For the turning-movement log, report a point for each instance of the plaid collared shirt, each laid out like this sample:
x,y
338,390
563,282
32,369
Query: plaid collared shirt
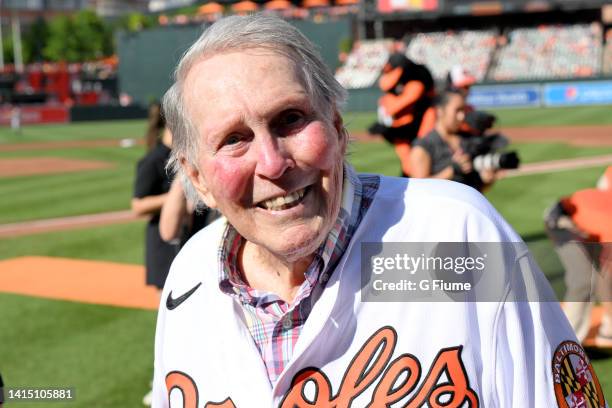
x,y
274,324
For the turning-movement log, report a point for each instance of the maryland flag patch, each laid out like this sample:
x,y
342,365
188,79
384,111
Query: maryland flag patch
x,y
576,385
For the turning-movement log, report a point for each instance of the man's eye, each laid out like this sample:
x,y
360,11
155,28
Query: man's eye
x,y
232,140
289,122
292,118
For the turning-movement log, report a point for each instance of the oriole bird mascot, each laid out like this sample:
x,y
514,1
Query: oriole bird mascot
x,y
408,93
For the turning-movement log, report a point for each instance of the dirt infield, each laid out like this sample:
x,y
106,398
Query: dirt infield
x,y
68,144
559,165
66,223
28,166
103,283
573,135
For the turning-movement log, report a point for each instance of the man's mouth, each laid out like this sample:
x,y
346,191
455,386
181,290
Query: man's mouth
x,y
284,202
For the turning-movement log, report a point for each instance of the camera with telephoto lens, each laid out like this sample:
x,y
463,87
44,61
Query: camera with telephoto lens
x,y
486,149
486,155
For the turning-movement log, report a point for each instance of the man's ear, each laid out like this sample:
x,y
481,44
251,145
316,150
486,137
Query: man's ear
x,y
197,180
342,132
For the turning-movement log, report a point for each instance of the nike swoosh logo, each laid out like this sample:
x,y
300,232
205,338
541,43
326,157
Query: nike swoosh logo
x,y
172,304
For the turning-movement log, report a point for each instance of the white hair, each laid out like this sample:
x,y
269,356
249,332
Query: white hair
x,y
241,33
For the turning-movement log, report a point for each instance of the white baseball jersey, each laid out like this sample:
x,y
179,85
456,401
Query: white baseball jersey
x,y
353,353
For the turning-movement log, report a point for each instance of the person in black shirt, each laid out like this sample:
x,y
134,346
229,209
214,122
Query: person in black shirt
x,y
150,191
439,154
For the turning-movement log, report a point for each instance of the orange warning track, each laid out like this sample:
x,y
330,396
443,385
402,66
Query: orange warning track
x,y
104,283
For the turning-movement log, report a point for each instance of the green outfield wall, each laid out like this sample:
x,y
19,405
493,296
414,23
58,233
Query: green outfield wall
x,y
148,57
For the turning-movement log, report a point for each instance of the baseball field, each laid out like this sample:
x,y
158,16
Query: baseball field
x,y
74,311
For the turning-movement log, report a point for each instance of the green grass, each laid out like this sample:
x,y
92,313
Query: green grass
x,y
105,353
116,243
64,194
358,121
119,129
539,151
602,363
566,116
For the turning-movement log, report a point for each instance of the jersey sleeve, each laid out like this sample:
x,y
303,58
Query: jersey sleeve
x,y
538,360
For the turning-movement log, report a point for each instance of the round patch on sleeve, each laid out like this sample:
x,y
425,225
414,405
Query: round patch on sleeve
x,y
576,385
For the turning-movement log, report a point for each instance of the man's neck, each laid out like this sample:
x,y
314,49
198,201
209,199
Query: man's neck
x,y
264,271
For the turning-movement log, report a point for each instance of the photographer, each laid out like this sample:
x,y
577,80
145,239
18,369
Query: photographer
x,y
440,154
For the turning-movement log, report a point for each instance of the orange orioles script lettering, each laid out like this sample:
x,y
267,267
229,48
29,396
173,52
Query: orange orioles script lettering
x,y
371,364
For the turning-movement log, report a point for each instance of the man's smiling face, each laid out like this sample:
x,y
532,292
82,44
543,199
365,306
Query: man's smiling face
x,y
268,159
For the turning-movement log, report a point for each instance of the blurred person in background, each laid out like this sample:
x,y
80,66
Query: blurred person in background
x,y
408,91
265,307
440,153
459,79
180,219
475,122
580,227
16,119
151,188
156,125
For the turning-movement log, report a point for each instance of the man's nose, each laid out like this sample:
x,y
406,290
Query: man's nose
x,y
273,160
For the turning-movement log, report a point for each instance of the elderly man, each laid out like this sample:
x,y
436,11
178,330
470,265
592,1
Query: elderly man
x,y
269,306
